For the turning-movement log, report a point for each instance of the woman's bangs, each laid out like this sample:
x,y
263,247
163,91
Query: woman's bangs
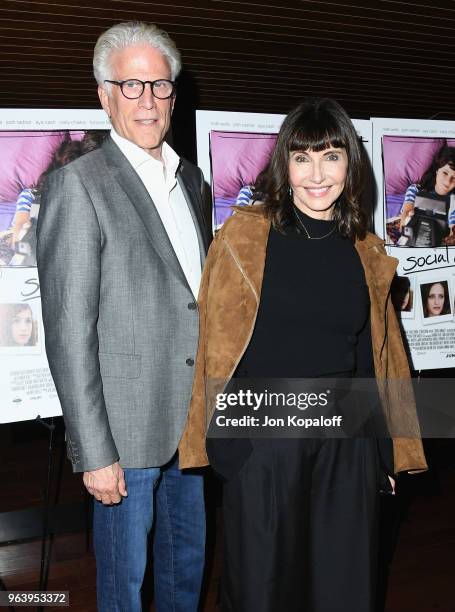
x,y
317,136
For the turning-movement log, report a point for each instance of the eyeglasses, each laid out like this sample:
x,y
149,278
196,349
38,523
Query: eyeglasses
x,y
134,88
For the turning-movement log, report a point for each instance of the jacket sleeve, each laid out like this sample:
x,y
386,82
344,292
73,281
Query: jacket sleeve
x,y
365,369
69,263
404,425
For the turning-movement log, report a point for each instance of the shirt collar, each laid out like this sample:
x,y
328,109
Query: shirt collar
x,y
137,156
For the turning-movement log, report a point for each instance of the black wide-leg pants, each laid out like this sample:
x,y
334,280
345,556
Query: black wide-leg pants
x,y
300,527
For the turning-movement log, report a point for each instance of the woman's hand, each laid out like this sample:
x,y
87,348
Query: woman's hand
x,y
392,484
406,213
450,239
20,225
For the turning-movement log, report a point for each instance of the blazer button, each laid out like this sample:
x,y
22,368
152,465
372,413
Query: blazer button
x,y
192,306
189,361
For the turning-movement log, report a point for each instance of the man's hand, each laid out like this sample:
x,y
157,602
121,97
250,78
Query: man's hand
x,y
107,484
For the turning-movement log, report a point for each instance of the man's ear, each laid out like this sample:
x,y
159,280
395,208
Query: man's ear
x,y
104,99
173,103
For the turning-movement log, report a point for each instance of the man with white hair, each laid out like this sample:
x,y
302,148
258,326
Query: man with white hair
x,y
121,240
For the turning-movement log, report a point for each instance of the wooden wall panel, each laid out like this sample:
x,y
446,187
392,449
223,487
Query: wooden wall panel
x,y
389,57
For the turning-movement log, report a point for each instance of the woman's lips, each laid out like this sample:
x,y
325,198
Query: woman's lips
x,y
317,192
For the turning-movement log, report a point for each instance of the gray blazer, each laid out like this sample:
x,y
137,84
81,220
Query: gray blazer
x,y
120,319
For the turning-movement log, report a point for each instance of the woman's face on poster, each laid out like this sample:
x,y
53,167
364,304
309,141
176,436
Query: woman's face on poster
x,y
435,300
22,327
445,180
317,179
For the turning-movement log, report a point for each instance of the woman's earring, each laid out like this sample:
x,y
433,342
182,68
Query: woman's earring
x,y
290,191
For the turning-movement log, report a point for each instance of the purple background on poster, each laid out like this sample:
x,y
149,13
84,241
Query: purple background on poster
x,y
237,159
24,156
405,161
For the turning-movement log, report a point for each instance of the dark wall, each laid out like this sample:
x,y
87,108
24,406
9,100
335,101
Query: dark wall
x,y
384,58
387,58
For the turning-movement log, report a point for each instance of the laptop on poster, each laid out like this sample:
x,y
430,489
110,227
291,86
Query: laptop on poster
x,y
428,225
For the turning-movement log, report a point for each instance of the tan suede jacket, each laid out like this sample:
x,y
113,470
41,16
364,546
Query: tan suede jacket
x,y
228,305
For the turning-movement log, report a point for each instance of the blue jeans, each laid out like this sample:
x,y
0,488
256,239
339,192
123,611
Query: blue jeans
x,y
174,501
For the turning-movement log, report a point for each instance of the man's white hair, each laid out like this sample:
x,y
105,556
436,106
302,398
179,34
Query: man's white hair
x,y
128,34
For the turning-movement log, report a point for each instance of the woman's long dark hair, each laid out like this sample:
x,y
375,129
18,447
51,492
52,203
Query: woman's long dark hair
x,y
445,156
314,125
399,289
69,150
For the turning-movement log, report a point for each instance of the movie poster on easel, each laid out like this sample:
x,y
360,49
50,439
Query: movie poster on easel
x,y
414,165
233,148
32,144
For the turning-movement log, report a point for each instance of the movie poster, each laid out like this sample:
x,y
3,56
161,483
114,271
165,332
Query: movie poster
x,y
32,144
414,164
233,148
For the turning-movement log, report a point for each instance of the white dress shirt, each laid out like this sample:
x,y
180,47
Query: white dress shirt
x,y
159,178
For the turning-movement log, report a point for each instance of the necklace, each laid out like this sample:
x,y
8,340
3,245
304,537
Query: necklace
x,y
297,216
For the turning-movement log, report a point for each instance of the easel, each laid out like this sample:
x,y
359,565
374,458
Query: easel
x,y
46,539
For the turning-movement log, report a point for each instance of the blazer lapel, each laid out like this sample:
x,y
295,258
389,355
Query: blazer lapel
x,y
135,191
193,198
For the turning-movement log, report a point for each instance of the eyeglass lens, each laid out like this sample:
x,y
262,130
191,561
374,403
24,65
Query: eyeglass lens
x,y
134,88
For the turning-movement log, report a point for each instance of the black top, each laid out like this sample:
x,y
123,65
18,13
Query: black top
x,y
314,306
313,320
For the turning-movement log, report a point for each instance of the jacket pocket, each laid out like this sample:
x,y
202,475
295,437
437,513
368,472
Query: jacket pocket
x,y
118,365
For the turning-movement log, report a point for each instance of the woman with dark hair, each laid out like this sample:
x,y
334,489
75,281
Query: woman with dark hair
x,y
439,180
435,299
402,294
300,514
17,325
